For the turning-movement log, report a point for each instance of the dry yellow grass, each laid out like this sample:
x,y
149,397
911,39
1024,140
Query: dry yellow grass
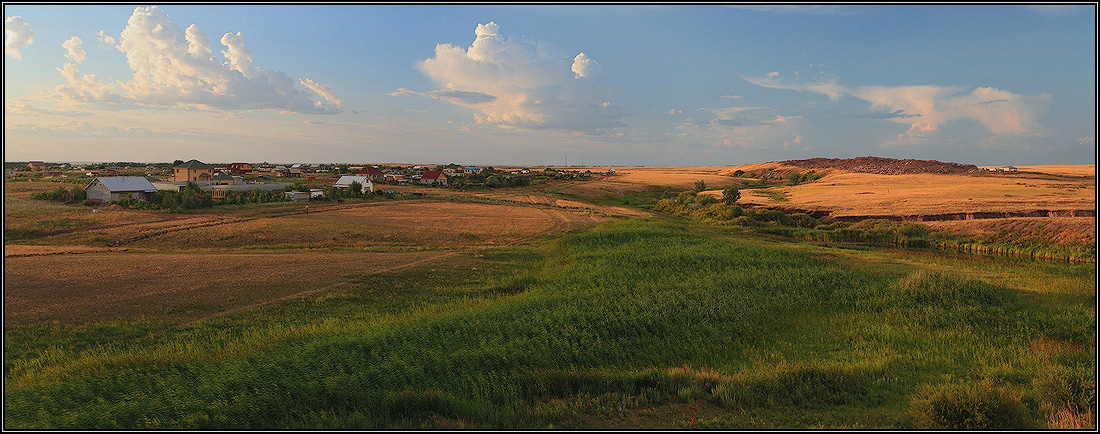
x,y
405,223
29,250
98,286
541,198
1057,169
848,193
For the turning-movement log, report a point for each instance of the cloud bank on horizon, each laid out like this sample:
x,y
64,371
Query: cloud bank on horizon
x,y
926,107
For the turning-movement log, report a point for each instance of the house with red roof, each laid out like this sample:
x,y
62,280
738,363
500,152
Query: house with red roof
x,y
371,172
433,177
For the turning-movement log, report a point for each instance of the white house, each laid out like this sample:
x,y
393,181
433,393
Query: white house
x,y
346,180
111,188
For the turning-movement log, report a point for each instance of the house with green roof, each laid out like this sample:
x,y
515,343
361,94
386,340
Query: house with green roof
x,y
193,170
222,179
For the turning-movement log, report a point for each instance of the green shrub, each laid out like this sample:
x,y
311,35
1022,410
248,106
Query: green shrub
x,y
967,406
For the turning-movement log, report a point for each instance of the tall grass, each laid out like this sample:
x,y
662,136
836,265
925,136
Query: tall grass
x,y
632,313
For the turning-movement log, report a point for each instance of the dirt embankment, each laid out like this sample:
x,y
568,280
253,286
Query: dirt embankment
x,y
884,166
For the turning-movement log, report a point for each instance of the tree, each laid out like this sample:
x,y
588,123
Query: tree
x,y
686,197
700,185
730,195
356,188
177,163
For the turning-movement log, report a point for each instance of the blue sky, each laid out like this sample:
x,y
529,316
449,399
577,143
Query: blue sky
x,y
655,85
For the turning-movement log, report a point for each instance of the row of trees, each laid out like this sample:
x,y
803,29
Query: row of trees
x,y
193,197
75,194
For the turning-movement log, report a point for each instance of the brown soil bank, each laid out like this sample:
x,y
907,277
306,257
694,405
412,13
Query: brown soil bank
x,y
884,166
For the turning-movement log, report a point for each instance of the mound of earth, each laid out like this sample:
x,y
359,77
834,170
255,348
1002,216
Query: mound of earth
x,y
884,166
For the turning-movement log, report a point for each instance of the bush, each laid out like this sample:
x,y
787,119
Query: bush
x,y
730,195
967,406
686,197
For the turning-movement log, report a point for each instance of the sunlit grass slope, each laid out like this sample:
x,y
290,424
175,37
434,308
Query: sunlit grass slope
x,y
614,323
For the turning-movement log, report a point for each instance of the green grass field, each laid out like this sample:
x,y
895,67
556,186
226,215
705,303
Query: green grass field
x,y
634,323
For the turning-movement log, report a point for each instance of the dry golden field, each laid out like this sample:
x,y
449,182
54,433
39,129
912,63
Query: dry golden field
x,y
847,193
632,179
435,224
171,286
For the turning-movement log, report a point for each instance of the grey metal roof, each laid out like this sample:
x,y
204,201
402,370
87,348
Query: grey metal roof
x,y
348,179
127,183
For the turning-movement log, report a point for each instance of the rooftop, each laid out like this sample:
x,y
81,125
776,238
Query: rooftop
x,y
194,164
126,183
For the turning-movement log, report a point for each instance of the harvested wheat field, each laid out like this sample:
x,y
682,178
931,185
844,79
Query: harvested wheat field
x,y
422,223
872,194
23,211
171,286
1058,230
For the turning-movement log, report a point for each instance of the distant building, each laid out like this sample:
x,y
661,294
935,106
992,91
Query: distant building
x,y
239,168
111,188
346,180
36,165
434,177
371,172
471,169
193,170
222,179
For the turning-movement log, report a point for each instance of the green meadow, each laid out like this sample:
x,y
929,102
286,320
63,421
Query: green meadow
x,y
630,324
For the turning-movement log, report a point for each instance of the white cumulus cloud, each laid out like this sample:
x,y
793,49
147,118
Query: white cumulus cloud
x,y
583,65
73,50
176,68
511,82
86,87
17,34
105,40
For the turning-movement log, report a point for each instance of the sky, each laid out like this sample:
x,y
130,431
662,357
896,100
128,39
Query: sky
x,y
550,84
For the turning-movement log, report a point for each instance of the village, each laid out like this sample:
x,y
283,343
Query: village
x,y
110,182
